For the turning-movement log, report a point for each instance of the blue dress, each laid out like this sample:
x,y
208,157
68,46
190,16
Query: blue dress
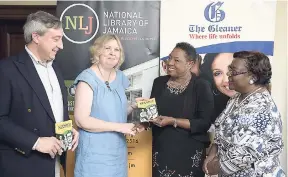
x,y
103,154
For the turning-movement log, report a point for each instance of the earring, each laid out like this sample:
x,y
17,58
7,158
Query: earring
x,y
215,92
251,81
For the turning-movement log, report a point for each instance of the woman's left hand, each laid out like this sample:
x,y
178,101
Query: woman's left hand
x,y
213,167
163,121
75,140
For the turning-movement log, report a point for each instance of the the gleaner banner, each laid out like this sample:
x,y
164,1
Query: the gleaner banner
x,y
217,29
137,24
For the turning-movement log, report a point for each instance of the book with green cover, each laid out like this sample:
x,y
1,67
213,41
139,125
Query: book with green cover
x,y
146,110
64,133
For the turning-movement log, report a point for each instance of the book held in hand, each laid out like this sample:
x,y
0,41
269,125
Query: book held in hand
x,y
64,133
146,110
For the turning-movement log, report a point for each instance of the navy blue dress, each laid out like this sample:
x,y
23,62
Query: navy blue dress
x,y
179,152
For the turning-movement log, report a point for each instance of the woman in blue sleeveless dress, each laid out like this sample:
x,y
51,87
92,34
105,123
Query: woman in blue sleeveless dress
x,y
101,113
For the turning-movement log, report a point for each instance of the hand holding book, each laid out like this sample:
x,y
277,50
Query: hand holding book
x,y
68,136
49,145
162,121
144,111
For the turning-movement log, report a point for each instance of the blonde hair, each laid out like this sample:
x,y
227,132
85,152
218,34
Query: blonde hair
x,y
95,49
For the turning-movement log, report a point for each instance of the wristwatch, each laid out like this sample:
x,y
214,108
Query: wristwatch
x,y
175,123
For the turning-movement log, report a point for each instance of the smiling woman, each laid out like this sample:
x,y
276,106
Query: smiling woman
x,y
186,103
101,110
220,68
214,69
248,133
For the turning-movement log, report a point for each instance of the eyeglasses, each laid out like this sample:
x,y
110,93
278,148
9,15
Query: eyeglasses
x,y
235,73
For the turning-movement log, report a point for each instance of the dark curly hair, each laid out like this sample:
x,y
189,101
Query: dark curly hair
x,y
205,68
188,49
258,64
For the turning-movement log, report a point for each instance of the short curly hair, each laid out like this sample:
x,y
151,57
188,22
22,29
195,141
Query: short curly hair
x,y
188,49
257,64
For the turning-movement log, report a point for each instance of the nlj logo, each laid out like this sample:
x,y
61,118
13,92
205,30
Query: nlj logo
x,y
80,23
213,13
72,23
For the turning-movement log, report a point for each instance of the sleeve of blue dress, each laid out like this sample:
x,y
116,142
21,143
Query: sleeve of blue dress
x,y
265,144
86,77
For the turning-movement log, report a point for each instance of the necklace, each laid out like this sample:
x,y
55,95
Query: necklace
x,y
106,82
237,104
223,116
176,88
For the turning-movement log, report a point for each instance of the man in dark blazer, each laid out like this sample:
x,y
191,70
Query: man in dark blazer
x,y
33,98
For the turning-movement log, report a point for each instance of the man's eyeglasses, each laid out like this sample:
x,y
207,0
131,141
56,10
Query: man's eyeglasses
x,y
235,73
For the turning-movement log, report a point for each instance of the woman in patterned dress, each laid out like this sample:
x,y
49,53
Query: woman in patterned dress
x,y
185,103
248,133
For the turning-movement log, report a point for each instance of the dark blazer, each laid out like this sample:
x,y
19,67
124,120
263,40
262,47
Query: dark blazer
x,y
198,105
25,115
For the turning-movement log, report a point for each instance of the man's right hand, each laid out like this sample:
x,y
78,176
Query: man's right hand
x,y
49,145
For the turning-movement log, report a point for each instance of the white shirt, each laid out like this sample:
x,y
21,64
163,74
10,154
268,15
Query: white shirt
x,y
51,84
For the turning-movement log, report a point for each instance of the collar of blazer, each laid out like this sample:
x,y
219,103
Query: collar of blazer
x,y
26,67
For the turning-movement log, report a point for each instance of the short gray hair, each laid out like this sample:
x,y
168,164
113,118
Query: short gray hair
x,y
40,22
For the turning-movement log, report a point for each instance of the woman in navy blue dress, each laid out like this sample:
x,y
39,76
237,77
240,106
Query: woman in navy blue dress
x,y
185,103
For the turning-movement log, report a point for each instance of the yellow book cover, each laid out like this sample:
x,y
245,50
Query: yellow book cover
x,y
64,133
147,110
